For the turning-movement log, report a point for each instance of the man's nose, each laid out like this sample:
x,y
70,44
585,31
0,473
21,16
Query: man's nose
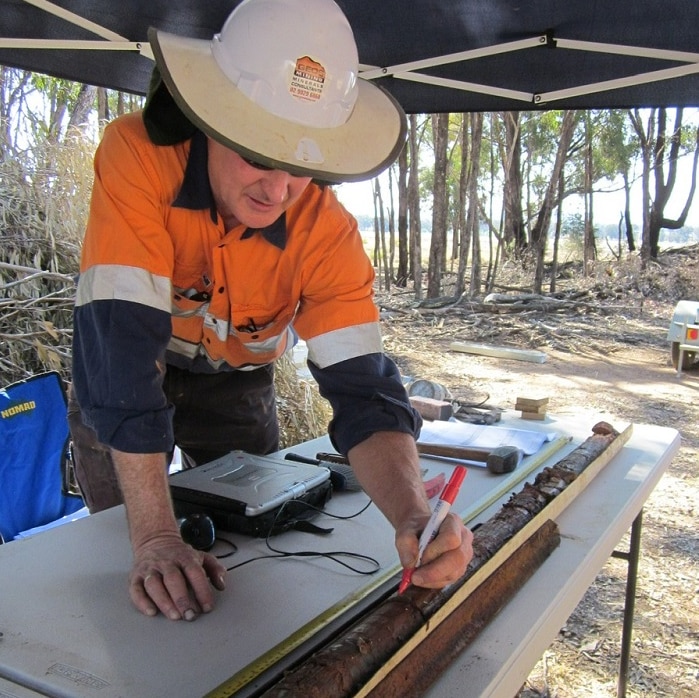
x,y
275,185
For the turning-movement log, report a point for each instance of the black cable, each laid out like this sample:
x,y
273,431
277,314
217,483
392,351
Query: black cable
x,y
232,551
333,555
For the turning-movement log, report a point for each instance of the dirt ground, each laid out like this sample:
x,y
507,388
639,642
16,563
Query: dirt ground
x,y
607,358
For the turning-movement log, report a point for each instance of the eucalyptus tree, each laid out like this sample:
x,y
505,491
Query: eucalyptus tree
x,y
616,148
661,148
15,87
413,194
402,224
38,109
568,122
408,186
440,205
471,232
35,109
514,231
461,198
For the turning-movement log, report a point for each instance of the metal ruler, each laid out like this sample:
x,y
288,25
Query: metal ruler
x,y
252,675
253,672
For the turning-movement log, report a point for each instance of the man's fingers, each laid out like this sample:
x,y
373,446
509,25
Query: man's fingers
x,y
139,596
180,589
443,570
176,597
445,559
215,571
152,593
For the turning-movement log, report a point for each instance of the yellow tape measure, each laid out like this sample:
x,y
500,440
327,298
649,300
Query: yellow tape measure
x,y
276,654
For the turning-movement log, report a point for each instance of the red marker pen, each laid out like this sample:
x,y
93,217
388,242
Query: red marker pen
x,y
441,509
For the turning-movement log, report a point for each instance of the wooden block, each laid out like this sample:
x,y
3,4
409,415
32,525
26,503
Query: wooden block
x,y
432,409
534,415
532,402
523,407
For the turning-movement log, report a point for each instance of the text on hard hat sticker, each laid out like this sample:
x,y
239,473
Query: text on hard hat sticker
x,y
308,79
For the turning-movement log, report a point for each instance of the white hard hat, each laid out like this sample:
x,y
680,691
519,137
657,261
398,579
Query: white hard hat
x,y
279,84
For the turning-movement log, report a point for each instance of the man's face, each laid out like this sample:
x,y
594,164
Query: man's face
x,y
249,195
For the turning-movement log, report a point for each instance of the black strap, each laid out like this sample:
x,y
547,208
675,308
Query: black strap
x,y
308,527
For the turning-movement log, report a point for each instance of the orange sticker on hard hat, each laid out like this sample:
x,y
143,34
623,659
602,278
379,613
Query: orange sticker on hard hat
x,y
308,79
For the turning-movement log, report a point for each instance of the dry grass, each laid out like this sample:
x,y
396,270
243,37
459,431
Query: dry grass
x,y
303,413
42,218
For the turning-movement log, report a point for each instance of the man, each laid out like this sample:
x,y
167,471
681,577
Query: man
x,y
209,249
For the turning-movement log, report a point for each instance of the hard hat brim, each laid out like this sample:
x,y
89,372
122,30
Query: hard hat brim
x,y
361,148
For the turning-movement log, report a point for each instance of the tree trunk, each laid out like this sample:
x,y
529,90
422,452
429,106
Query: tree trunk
x,y
473,220
654,153
589,249
414,224
440,129
379,232
103,114
557,236
644,139
390,244
630,242
403,247
664,186
83,107
495,233
514,234
540,229
462,228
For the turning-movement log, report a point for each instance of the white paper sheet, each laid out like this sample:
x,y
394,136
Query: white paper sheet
x,y
480,436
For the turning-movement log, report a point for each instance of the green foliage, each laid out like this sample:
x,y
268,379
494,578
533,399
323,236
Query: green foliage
x,y
615,143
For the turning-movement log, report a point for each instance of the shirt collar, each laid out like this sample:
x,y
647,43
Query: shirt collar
x,y
195,193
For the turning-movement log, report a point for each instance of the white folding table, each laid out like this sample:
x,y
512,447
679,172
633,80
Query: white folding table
x,y
70,631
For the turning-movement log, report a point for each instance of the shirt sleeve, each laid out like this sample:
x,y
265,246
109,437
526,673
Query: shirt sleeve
x,y
118,368
367,396
122,321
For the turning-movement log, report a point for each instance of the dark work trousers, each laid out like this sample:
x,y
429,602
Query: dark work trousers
x,y
214,414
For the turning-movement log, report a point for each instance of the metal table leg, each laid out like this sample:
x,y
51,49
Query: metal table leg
x,y
632,557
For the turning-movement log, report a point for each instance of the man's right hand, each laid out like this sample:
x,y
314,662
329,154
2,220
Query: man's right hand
x,y
168,575
172,577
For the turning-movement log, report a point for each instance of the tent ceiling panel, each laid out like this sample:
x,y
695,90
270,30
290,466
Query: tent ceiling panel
x,y
391,33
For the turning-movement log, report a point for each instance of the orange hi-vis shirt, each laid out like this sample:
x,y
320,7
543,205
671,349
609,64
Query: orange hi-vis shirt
x,y
162,282
233,295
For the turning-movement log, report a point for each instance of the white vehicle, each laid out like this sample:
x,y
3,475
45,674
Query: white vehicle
x,y
684,336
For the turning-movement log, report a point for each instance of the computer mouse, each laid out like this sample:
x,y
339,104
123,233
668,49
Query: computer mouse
x,y
198,530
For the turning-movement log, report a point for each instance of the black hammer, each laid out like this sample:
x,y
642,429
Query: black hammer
x,y
499,460
503,459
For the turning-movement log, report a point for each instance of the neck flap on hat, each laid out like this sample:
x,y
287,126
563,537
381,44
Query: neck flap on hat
x,y
163,119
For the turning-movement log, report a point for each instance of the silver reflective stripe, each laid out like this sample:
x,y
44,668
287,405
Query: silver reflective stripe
x,y
118,282
179,346
218,326
200,310
286,339
348,343
191,351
